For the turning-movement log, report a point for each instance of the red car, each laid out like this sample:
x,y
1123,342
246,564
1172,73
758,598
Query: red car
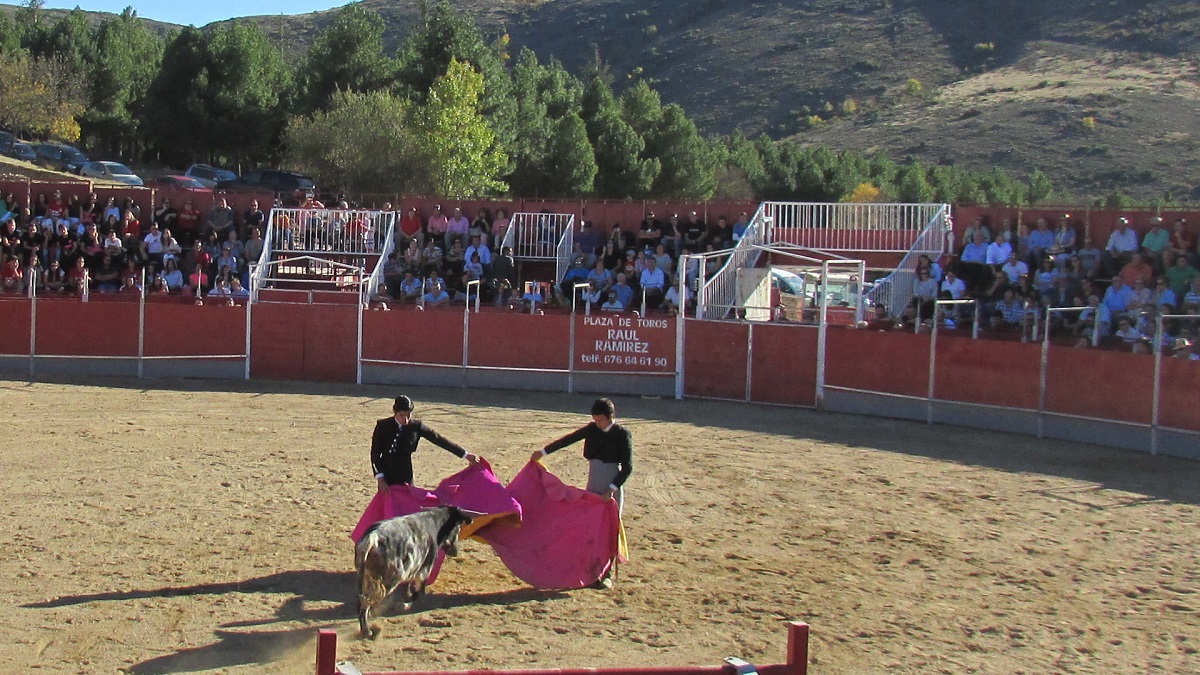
x,y
181,182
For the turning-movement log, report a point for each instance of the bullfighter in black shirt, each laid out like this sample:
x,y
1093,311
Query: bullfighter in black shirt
x,y
395,440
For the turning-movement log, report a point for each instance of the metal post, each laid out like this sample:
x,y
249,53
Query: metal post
x,y
249,310
975,322
700,286
1154,405
859,315
33,333
1045,365
749,358
571,351
680,320
467,327
142,328
363,293
932,363
822,335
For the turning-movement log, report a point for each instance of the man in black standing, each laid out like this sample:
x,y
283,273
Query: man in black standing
x,y
395,440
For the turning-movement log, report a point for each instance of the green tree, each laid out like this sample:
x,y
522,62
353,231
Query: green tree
x,y
175,120
444,35
347,55
688,165
329,144
242,92
621,170
127,56
455,141
39,96
1039,187
570,161
913,185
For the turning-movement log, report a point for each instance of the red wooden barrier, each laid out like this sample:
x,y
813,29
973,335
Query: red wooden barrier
x,y
893,363
784,364
508,340
433,336
183,329
71,328
14,326
715,359
797,662
304,342
991,372
1177,401
1100,384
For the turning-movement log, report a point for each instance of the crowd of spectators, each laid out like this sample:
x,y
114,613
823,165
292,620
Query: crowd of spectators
x,y
84,245
438,256
1110,295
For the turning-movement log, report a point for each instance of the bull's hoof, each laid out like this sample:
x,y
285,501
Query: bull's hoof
x,y
405,606
373,632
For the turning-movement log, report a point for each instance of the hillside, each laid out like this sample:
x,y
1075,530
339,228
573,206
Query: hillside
x,y
1004,82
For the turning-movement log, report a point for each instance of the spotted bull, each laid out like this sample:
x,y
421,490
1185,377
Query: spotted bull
x,y
399,553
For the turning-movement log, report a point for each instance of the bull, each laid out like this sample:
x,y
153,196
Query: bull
x,y
399,553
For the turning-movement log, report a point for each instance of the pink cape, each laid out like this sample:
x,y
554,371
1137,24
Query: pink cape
x,y
567,537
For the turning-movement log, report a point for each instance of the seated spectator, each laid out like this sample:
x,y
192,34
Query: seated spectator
x,y
171,276
1122,244
1180,275
107,276
234,244
411,289
197,281
1041,242
739,227
1191,299
500,226
1044,279
1137,268
435,290
1141,297
671,303
393,273
413,259
600,277
653,283
220,220
130,285
880,319
55,279
78,277
253,218
473,270
380,299
152,244
1156,242
973,264
188,223
924,262
623,290
113,245
1183,348
590,242
432,256
1182,243
1014,269
953,286
220,290
1095,319
925,293
1129,334
1064,241
577,274
11,278
457,227
1009,312
170,247
164,215
227,261
694,231
1118,297
649,233
478,247
998,252
1090,258
1162,295
612,304
411,231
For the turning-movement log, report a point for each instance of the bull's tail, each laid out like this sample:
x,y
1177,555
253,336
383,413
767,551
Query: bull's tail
x,y
371,591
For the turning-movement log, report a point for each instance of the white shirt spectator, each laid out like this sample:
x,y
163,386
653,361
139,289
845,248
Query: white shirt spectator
x,y
1014,270
1123,241
485,254
998,252
955,287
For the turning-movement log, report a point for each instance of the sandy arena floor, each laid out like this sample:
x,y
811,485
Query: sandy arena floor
x,y
186,529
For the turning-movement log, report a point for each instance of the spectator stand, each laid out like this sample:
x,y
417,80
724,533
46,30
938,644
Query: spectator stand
x,y
322,249
542,237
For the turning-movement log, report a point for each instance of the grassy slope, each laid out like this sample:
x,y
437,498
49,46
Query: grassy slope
x,y
760,66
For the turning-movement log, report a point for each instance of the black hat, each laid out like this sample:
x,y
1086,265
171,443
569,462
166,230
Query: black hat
x,y
402,404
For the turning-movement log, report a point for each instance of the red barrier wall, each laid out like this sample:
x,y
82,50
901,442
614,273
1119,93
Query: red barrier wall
x,y
991,372
519,340
784,364
69,328
714,359
433,336
893,363
304,342
1177,402
178,329
1094,383
14,326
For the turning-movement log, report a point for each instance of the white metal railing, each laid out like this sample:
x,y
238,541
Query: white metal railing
x,y
258,268
388,245
539,236
896,289
716,296
329,230
882,228
564,250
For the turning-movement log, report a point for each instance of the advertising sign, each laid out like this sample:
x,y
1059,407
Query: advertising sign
x,y
618,342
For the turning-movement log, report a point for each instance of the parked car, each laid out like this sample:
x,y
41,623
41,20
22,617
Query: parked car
x,y
7,139
22,151
291,186
181,182
60,157
114,171
208,175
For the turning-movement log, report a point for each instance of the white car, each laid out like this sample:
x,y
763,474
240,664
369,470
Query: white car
x,y
114,171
